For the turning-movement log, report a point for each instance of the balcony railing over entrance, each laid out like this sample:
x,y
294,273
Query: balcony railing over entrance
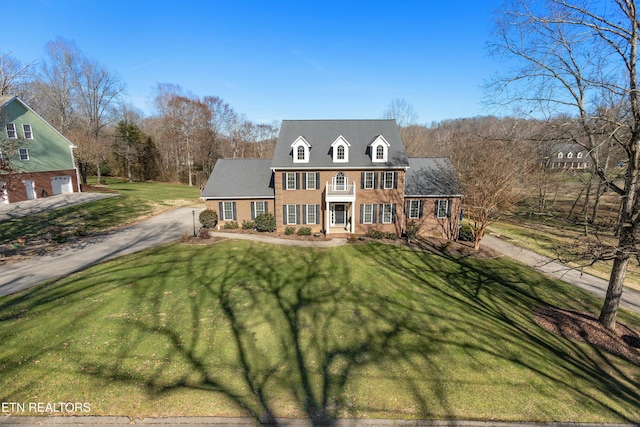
x,y
340,192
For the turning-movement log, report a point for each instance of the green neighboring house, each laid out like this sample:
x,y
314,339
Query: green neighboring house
x,y
35,159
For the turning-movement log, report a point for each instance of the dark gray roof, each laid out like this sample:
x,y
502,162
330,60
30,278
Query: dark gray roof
x,y
431,177
569,148
320,134
240,178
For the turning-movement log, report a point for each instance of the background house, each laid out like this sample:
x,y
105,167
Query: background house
x,y
35,159
340,177
570,156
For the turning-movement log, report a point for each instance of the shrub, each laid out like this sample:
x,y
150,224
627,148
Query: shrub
x,y
374,234
233,225
208,218
289,231
304,231
465,233
390,236
412,230
265,222
247,225
204,233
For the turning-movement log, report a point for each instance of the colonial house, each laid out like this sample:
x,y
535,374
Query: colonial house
x,y
35,159
570,157
339,177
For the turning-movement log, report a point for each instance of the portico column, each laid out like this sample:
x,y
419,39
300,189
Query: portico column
x,y
328,218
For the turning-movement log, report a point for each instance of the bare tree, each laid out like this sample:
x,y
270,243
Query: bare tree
x,y
402,111
12,74
580,57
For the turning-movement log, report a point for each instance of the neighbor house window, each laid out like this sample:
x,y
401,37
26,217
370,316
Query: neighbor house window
x,y
388,179
367,214
368,180
291,180
24,154
442,208
28,133
11,131
387,213
414,209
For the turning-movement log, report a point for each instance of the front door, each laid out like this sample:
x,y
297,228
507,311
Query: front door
x,y
338,215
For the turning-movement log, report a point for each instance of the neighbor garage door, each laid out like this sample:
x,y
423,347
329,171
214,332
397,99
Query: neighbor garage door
x,y
61,185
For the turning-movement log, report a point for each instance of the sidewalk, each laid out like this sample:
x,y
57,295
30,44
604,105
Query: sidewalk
x,y
630,298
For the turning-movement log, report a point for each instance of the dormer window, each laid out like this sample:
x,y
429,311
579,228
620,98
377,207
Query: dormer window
x,y
379,150
340,149
559,155
580,154
300,150
569,155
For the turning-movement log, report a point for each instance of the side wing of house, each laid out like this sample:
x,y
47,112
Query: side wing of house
x,y
239,190
433,197
37,160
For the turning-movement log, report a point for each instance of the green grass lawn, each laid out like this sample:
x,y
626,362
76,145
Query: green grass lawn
x,y
136,200
369,330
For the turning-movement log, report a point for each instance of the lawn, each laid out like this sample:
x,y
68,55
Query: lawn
x,y
366,330
136,200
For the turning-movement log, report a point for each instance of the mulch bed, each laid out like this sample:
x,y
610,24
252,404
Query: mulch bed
x,y
584,327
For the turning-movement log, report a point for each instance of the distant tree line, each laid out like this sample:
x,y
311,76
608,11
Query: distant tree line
x,y
86,101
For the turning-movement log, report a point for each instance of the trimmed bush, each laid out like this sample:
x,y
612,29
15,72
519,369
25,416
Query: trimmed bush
x,y
289,231
265,222
304,231
465,233
374,234
208,218
390,236
247,225
204,233
233,225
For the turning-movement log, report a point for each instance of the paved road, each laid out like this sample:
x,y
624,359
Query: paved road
x,y
630,299
167,227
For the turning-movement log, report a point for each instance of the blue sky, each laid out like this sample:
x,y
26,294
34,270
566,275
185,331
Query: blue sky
x,y
274,60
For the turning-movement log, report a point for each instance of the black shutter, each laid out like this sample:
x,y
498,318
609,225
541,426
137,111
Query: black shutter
x,y
361,213
420,208
253,211
318,182
285,214
375,180
395,180
284,180
393,213
362,175
381,213
297,214
233,205
304,180
221,211
317,214
266,207
297,180
408,208
304,214
374,216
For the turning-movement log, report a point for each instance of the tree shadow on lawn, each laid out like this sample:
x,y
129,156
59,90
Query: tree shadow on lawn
x,y
307,333
280,334
497,298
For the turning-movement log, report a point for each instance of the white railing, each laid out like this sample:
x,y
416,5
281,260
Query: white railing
x,y
340,191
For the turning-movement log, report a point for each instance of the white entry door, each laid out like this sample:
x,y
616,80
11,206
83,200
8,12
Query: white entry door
x,y
30,186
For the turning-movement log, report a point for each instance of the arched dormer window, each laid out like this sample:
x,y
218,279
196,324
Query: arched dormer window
x,y
300,150
580,154
569,155
340,149
379,150
559,155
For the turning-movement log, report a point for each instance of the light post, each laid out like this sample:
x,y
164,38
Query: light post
x,y
193,212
